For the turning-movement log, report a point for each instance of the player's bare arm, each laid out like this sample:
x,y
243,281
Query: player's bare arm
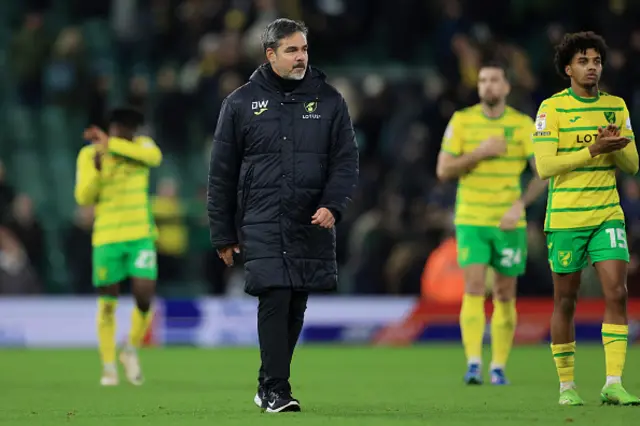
x,y
451,166
535,188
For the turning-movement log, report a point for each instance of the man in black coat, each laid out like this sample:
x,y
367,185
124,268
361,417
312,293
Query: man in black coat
x,y
283,167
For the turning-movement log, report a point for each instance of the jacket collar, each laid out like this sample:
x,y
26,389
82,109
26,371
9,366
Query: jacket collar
x,y
309,88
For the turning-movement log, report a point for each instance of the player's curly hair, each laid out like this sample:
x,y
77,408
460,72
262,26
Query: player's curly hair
x,y
573,43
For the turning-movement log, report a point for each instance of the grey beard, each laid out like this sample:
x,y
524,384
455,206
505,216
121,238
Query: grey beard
x,y
293,76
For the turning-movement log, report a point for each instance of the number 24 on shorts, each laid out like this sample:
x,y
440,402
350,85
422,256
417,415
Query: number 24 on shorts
x,y
617,237
510,257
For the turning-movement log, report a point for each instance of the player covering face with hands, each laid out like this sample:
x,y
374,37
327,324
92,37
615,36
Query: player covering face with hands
x,y
113,174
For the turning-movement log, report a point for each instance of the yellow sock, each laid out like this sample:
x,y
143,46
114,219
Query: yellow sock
x,y
503,327
140,322
614,339
564,357
472,322
106,323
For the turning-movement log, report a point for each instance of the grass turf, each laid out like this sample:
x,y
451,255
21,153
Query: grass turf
x,y
337,386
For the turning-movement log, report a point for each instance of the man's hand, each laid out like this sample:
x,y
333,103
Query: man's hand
x,y
97,137
608,140
611,130
324,218
226,254
492,147
101,140
511,218
97,160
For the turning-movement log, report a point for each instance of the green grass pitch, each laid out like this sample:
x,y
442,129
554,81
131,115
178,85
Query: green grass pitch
x,y
351,386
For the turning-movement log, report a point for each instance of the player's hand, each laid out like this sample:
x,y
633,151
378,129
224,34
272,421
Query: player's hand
x,y
323,218
511,218
610,130
97,160
492,147
97,137
226,254
608,140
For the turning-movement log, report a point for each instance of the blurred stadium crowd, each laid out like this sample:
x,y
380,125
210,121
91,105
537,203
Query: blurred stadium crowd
x,y
403,67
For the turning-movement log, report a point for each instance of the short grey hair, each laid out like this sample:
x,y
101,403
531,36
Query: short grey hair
x,y
279,29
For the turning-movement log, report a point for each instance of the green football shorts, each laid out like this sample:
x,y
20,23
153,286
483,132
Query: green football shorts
x,y
504,251
569,250
113,263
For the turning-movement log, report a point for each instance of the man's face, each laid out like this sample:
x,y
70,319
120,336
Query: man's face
x,y
492,85
585,68
290,59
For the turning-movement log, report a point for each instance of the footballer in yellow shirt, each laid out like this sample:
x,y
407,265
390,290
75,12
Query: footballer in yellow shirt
x,y
582,136
113,174
487,147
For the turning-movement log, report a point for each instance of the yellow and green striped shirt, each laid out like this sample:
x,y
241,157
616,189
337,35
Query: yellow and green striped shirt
x,y
120,190
490,189
584,196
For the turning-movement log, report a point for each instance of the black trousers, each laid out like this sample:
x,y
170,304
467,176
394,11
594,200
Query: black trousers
x,y
280,319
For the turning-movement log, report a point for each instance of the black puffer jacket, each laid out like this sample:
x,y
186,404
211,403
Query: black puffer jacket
x,y
276,159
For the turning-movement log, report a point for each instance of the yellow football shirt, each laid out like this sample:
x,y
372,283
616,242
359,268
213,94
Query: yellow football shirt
x,y
120,190
566,125
486,193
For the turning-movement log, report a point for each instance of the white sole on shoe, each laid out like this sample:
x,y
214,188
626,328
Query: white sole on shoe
x,y
291,406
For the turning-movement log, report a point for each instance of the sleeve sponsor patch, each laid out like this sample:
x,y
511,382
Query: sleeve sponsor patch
x,y
541,121
628,124
448,133
539,134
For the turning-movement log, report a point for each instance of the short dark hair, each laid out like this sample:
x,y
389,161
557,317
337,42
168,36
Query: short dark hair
x,y
573,43
279,29
495,63
128,117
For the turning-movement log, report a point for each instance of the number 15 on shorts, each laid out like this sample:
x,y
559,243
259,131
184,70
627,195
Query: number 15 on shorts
x,y
609,245
617,237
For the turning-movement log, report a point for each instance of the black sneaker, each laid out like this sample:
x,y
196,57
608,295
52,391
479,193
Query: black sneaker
x,y
281,402
261,397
